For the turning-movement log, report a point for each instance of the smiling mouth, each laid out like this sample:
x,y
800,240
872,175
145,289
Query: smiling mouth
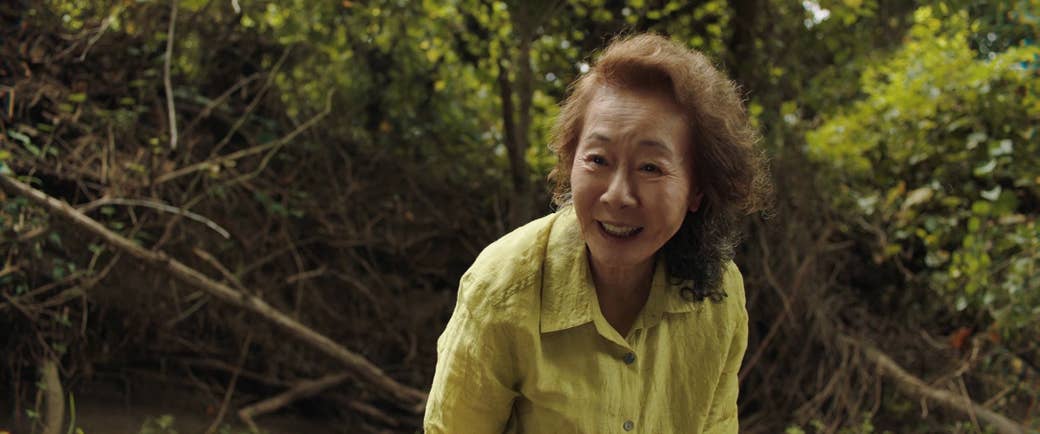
x,y
619,231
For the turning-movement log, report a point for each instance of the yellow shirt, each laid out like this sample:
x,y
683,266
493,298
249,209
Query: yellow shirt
x,y
528,350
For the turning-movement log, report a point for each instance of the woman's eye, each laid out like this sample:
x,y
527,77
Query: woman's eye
x,y
650,168
598,160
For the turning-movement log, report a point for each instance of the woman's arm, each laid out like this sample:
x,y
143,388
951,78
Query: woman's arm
x,y
473,386
722,417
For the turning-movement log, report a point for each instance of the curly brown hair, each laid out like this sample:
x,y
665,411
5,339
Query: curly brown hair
x,y
730,171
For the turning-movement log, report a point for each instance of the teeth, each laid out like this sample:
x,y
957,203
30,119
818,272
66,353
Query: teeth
x,y
619,231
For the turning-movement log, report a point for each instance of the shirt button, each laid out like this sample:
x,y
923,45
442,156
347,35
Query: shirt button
x,y
629,358
628,425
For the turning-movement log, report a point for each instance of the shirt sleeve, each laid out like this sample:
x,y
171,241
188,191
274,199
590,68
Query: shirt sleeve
x,y
722,416
473,385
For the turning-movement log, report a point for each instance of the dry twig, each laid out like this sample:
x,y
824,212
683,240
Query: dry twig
x,y
211,260
231,386
158,206
302,389
256,101
208,109
249,151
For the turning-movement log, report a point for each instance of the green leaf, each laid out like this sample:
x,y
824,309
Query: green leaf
x,y
96,248
1003,147
917,196
986,168
991,194
975,138
24,139
1006,203
981,208
78,97
973,224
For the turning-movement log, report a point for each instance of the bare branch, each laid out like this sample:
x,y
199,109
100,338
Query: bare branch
x,y
170,107
256,101
211,260
301,390
105,24
159,206
249,151
208,109
231,386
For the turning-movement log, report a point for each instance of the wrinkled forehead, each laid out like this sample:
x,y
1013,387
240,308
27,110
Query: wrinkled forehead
x,y
642,114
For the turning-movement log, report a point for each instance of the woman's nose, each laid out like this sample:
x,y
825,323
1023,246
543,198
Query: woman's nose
x,y
620,192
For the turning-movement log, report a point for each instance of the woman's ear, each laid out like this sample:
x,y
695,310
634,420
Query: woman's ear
x,y
696,196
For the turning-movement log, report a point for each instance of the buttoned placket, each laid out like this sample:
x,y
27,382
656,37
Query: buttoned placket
x,y
631,350
630,393
625,354
632,384
627,350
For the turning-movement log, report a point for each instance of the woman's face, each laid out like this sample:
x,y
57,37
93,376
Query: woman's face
x,y
632,179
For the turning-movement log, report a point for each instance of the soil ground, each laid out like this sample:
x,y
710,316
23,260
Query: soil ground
x,y
108,408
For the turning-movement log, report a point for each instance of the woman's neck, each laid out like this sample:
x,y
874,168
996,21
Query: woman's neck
x,y
622,291
622,282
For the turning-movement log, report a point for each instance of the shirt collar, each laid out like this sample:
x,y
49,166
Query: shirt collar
x,y
568,295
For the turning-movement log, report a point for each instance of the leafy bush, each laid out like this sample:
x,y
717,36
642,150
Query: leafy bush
x,y
940,161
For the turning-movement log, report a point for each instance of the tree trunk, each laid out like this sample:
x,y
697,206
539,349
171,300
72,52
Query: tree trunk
x,y
516,146
526,17
743,64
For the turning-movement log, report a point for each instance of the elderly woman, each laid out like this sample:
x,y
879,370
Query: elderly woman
x,y
622,311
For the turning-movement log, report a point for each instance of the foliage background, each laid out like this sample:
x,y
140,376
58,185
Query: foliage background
x,y
359,155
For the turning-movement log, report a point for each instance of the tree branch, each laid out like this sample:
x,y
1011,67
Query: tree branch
x,y
300,390
248,151
916,387
170,108
159,206
54,397
231,386
407,397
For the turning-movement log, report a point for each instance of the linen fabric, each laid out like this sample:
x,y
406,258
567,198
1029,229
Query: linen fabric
x,y
528,350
